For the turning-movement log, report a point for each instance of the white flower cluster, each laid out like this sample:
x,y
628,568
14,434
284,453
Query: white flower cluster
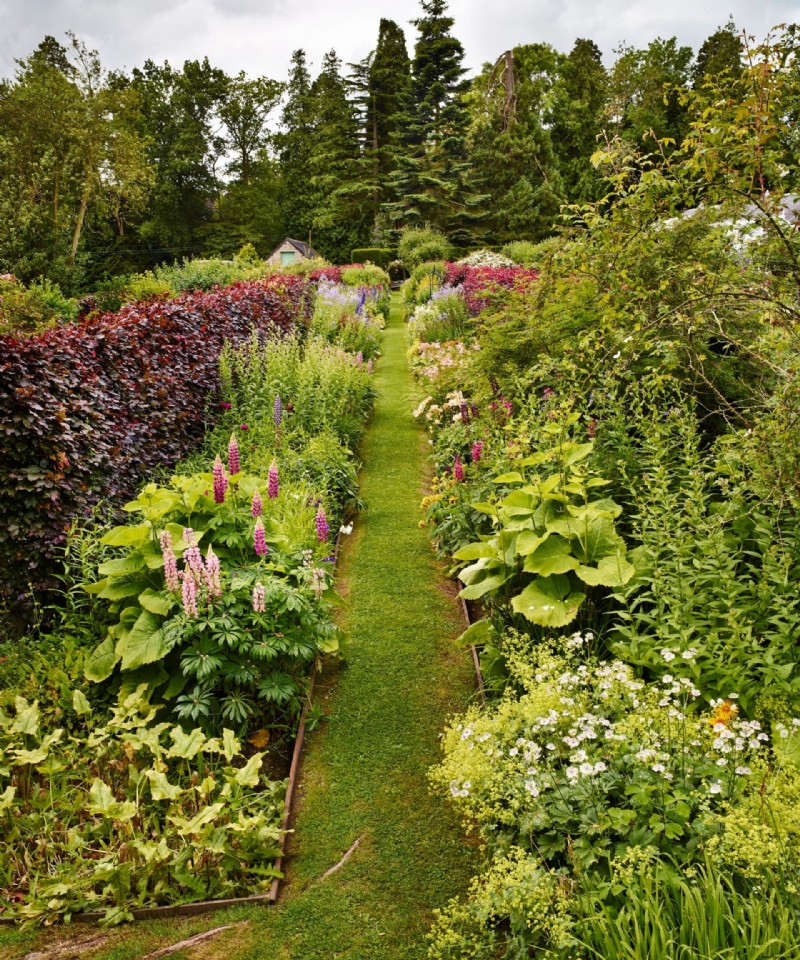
x,y
486,258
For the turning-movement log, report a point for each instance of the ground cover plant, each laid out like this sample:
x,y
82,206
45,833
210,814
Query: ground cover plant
x,y
187,659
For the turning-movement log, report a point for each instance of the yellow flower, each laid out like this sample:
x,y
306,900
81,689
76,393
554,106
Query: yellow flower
x,y
724,712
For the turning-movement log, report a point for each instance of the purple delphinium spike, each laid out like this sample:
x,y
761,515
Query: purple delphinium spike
x,y
220,481
233,455
458,470
256,507
259,539
321,522
272,481
189,595
477,450
212,574
170,562
277,410
259,598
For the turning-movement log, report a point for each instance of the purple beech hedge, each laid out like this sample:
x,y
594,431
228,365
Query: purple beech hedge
x,y
87,411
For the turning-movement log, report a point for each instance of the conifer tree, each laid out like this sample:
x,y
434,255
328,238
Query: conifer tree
x,y
295,150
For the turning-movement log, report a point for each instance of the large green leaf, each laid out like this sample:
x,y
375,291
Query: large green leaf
x,y
102,801
144,644
477,633
613,571
101,661
115,568
132,536
186,745
596,538
118,588
475,551
549,601
553,556
160,787
249,776
155,602
528,541
477,590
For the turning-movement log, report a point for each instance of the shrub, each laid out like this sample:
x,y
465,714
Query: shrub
x,y
88,409
380,256
479,283
486,258
364,275
418,244
424,280
35,307
525,253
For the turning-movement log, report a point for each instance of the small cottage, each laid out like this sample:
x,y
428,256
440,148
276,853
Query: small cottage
x,y
291,251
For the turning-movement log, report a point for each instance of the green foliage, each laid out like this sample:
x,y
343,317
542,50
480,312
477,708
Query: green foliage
x,y
418,245
443,317
31,308
368,275
136,813
528,254
380,256
553,539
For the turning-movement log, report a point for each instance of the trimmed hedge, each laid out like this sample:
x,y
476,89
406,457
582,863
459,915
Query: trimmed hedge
x,y
380,256
88,410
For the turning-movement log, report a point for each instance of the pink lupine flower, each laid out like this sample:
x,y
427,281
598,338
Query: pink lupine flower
x,y
193,560
359,358
212,574
369,366
259,539
259,598
220,481
189,595
170,562
272,481
257,507
233,456
458,470
188,537
321,522
477,450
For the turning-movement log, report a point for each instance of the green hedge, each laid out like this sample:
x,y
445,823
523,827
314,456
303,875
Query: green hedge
x,y
380,256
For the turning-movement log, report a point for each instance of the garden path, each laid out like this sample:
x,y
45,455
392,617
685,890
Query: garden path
x,y
364,774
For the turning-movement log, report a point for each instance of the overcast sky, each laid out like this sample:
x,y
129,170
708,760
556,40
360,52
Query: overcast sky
x,y
258,36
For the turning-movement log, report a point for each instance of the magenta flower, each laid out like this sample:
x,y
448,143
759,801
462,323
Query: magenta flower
x,y
170,562
212,574
277,410
477,450
189,595
272,481
225,406
257,507
233,456
458,470
259,598
243,426
259,539
321,522
220,481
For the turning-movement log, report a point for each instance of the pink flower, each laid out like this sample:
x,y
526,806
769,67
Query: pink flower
x,y
220,481
256,507
233,455
477,450
272,481
212,574
259,598
189,595
170,562
225,406
458,470
259,539
369,366
321,522
243,426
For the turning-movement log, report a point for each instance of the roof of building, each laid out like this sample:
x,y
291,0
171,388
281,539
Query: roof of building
x,y
304,249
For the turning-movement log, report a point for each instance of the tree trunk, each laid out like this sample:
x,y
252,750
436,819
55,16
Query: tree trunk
x,y
76,233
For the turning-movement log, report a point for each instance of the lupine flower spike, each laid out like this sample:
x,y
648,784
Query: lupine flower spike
x,y
220,481
259,598
272,481
259,539
321,522
277,410
189,595
477,450
233,455
369,366
458,470
257,506
170,562
212,573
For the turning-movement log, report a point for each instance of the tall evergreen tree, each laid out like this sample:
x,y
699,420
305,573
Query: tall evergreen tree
x,y
433,181
511,145
720,52
295,150
579,98
341,212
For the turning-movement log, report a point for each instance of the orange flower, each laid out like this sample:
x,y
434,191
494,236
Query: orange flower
x,y
724,712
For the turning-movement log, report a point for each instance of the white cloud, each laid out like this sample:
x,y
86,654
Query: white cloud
x,y
258,36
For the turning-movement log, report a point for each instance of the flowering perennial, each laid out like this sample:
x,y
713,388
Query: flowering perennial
x,y
259,539
233,455
220,481
272,481
322,525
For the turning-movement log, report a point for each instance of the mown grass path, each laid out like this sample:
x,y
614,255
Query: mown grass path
x,y
364,774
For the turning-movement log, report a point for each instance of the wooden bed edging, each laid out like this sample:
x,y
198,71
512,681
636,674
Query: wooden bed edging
x,y
474,651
